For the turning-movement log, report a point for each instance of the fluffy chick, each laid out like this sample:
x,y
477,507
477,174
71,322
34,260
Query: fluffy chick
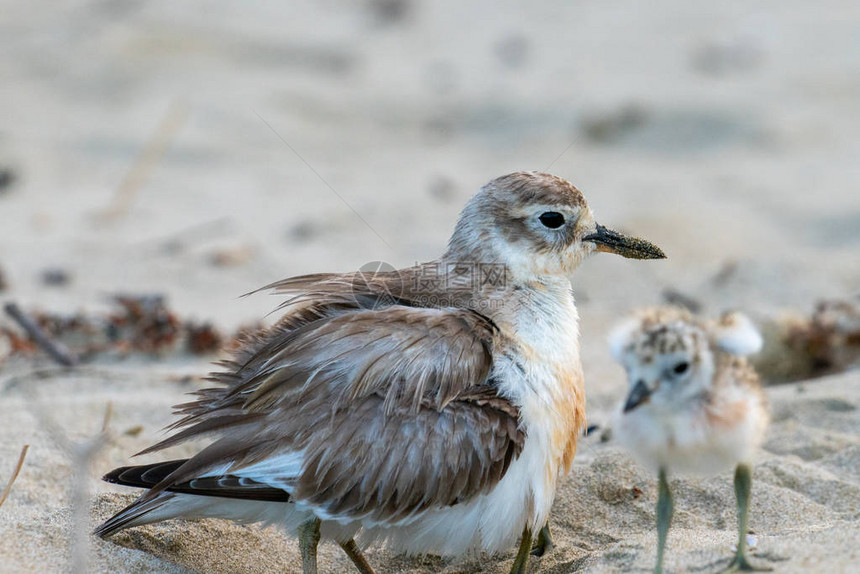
x,y
694,406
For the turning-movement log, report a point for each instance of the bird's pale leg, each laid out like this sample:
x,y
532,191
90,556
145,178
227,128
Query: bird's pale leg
x,y
743,485
665,509
355,554
544,542
521,562
309,539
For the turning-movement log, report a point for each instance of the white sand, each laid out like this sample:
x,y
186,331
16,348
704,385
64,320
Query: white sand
x,y
744,151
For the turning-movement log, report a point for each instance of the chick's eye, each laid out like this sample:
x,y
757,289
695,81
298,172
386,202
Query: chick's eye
x,y
552,219
681,368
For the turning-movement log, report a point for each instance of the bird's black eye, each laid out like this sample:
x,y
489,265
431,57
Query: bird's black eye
x,y
681,368
552,219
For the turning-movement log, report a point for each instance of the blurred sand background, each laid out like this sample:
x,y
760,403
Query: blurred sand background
x,y
319,136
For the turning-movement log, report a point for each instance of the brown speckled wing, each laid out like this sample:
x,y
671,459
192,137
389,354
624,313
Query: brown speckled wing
x,y
392,408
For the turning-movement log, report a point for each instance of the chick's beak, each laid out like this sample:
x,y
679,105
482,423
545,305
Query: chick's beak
x,y
640,393
624,245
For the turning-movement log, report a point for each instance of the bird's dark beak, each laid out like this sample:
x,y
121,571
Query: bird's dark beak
x,y
624,245
640,393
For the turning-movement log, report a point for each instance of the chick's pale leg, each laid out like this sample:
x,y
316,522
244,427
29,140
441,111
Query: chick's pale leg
x,y
665,509
743,485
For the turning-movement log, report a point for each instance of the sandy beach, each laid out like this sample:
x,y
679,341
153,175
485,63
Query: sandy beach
x,y
200,153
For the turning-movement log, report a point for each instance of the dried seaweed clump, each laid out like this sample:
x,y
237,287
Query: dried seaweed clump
x,y
136,324
824,343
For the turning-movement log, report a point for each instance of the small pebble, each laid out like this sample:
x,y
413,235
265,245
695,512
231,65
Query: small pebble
x,y
675,297
232,256
752,542
606,435
303,231
442,188
56,277
390,11
513,51
7,178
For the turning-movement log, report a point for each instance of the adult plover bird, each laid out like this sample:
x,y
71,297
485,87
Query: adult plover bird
x,y
433,408
695,404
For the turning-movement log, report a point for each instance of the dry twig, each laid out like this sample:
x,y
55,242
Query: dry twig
x,y
55,350
147,159
14,474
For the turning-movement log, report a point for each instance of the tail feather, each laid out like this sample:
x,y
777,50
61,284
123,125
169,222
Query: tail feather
x,y
227,496
143,475
224,486
141,511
